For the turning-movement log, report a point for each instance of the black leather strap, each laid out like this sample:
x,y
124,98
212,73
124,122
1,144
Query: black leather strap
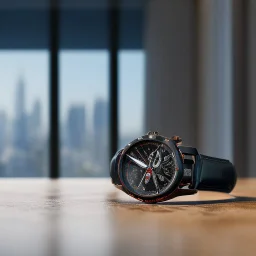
x,y
215,174
113,168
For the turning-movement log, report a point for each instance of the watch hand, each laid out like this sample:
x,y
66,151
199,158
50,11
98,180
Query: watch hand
x,y
142,179
155,182
152,158
138,162
158,159
147,175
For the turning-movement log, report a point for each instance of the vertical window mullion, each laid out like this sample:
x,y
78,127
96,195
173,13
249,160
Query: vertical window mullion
x,y
54,90
113,68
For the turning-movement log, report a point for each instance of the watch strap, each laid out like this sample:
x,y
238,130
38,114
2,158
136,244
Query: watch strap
x,y
114,168
215,174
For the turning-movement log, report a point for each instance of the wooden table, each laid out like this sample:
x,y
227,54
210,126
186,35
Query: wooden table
x,y
90,217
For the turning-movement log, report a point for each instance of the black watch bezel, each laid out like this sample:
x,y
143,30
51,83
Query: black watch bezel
x,y
179,168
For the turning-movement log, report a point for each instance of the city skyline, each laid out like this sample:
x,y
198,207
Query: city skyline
x,y
33,116
23,152
27,145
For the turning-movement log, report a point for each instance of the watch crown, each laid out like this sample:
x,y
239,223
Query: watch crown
x,y
153,133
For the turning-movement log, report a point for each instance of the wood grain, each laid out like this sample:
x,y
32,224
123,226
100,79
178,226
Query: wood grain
x,y
91,217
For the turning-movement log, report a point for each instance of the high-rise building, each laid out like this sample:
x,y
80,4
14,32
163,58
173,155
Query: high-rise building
x,y
37,114
100,125
76,127
3,135
20,139
34,123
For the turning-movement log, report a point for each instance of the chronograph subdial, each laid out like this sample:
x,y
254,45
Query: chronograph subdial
x,y
149,168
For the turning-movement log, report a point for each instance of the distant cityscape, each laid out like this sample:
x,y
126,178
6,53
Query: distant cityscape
x,y
24,144
85,153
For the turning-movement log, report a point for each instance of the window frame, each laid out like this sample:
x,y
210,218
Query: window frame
x,y
120,35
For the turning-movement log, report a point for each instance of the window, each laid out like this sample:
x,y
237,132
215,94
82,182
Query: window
x,y
131,95
84,113
24,113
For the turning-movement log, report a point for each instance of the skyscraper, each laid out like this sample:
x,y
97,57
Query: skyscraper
x,y
100,124
37,114
3,135
76,127
34,124
20,140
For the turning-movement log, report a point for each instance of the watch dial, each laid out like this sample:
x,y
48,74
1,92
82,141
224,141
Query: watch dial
x,y
149,168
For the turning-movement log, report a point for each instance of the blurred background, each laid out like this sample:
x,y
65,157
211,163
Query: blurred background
x,y
80,79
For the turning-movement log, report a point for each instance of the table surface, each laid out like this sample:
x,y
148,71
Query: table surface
x,y
91,217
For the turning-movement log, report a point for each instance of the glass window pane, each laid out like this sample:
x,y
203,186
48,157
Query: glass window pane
x,y
24,113
84,113
131,95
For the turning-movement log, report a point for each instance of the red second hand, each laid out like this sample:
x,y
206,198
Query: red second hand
x,y
148,175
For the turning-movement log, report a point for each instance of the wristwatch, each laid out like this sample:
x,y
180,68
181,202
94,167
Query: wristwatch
x,y
154,168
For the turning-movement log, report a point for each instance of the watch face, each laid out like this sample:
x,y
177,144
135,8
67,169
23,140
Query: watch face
x,y
149,168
